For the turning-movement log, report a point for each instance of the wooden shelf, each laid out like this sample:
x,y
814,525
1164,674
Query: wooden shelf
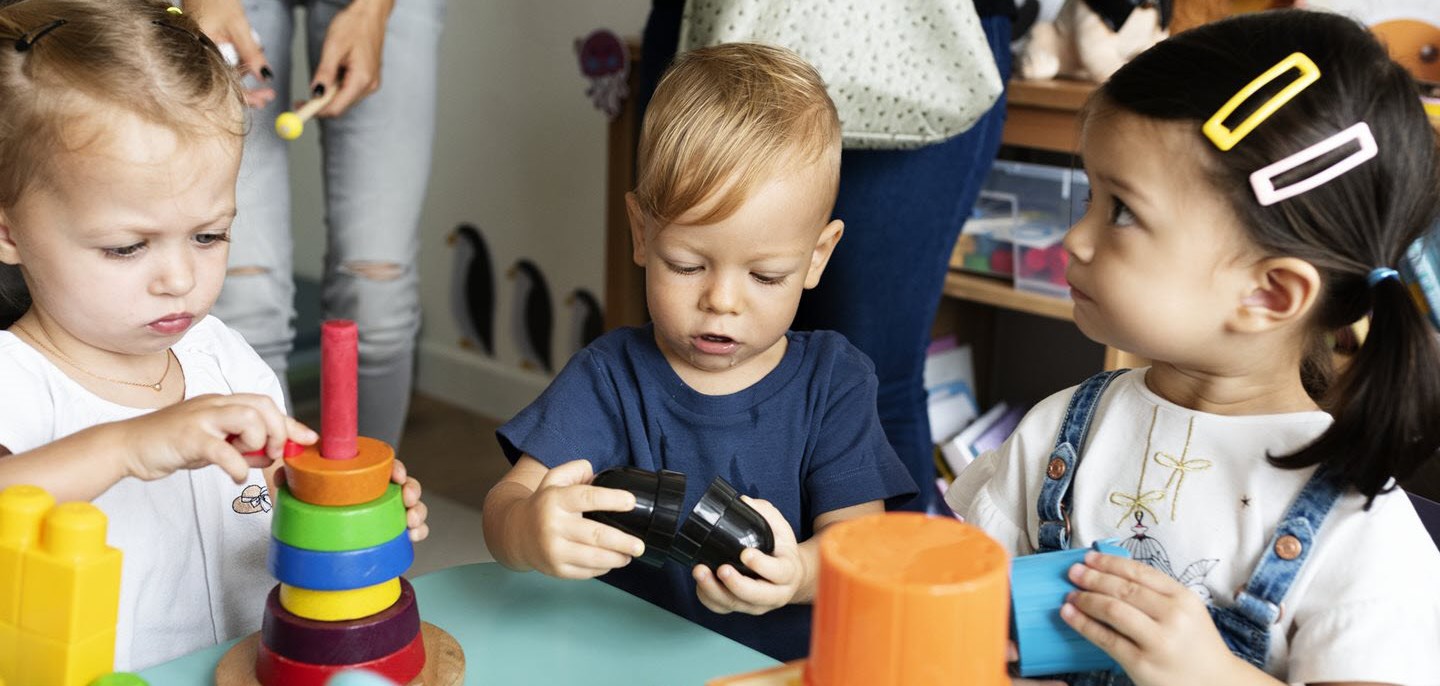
x,y
1041,114
1003,294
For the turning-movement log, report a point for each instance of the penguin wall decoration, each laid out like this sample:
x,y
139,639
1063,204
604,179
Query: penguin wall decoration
x,y
587,321
472,289
531,315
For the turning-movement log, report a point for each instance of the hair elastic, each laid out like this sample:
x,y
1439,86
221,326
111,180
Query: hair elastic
x,y
27,41
1379,274
1225,138
1262,180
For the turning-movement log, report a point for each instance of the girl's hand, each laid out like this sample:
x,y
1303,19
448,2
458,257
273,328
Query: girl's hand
x,y
210,429
551,532
351,54
781,575
1157,629
415,511
224,21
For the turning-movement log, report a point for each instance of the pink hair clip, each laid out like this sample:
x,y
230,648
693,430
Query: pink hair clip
x,y
1263,179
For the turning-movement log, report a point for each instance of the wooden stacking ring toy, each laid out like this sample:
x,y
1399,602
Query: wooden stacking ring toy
x,y
320,480
340,606
340,643
331,529
344,570
400,666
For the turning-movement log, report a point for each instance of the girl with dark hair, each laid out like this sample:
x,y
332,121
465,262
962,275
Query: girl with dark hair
x,y
1254,181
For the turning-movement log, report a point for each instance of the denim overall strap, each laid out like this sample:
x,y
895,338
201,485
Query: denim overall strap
x,y
1259,603
1054,502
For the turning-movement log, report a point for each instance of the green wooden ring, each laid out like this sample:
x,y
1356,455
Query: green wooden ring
x,y
337,529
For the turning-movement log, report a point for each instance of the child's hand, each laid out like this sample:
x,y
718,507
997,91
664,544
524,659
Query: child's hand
x,y
782,573
415,511
554,536
1157,629
194,434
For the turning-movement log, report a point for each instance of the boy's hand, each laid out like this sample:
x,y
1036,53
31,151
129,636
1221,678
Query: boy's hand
x,y
210,429
415,511
782,573
553,535
1157,629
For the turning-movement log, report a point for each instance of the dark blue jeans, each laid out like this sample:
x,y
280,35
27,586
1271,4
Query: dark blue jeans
x,y
903,210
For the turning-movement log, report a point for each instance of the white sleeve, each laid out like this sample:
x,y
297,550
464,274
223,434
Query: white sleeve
x,y
986,495
27,406
1372,609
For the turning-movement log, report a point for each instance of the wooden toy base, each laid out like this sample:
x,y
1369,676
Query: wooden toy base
x,y
444,661
789,674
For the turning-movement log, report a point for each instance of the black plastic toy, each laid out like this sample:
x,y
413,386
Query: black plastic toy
x,y
658,499
715,533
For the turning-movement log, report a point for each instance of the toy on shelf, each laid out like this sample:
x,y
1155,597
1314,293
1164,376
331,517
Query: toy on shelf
x,y
716,531
1018,224
339,546
59,591
1090,39
906,598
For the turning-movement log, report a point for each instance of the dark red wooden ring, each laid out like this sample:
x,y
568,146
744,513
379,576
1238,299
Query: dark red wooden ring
x,y
340,643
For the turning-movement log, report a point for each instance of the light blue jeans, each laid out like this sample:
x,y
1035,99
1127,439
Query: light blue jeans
x,y
376,166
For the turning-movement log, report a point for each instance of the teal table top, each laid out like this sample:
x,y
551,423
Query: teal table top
x,y
528,628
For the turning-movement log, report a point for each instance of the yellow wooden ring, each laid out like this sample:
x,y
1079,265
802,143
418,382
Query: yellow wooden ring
x,y
339,606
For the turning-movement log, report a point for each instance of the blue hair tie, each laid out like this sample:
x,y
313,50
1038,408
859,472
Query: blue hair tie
x,y
1379,274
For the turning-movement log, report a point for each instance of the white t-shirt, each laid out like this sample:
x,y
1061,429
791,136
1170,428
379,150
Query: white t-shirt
x,y
1192,494
194,571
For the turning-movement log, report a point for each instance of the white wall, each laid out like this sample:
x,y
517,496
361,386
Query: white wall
x,y
520,153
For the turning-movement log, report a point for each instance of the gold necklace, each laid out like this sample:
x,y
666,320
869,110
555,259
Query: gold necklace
x,y
157,386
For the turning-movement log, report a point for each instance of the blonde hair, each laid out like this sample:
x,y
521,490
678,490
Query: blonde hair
x,y
63,61
725,118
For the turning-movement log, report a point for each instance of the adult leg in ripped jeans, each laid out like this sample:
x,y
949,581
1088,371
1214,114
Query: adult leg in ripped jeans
x,y
376,164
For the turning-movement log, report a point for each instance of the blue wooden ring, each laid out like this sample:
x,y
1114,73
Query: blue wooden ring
x,y
340,571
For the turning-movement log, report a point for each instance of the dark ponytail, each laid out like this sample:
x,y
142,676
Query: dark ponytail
x,y
1386,398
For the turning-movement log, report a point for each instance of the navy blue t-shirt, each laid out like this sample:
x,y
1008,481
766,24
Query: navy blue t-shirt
x,y
806,438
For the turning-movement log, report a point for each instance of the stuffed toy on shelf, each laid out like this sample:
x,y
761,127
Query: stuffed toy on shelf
x,y
1090,39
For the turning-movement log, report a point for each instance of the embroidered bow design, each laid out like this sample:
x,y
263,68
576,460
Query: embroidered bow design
x,y
1136,504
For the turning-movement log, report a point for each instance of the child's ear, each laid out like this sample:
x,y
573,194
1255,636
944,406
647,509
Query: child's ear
x,y
637,229
1282,292
9,253
824,248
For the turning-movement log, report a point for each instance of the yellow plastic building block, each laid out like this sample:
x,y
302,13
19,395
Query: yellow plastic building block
x,y
21,509
76,663
71,600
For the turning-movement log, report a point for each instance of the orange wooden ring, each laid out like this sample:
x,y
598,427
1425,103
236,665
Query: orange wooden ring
x,y
360,479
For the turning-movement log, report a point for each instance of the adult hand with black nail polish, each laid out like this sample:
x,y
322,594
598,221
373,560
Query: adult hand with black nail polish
x,y
224,21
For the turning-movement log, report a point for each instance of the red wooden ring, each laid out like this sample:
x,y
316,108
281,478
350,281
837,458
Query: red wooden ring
x,y
400,666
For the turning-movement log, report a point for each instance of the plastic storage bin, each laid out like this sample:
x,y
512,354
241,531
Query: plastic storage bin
x,y
1024,209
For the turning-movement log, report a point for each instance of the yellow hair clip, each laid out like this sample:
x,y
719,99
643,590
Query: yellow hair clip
x,y
174,10
1224,138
